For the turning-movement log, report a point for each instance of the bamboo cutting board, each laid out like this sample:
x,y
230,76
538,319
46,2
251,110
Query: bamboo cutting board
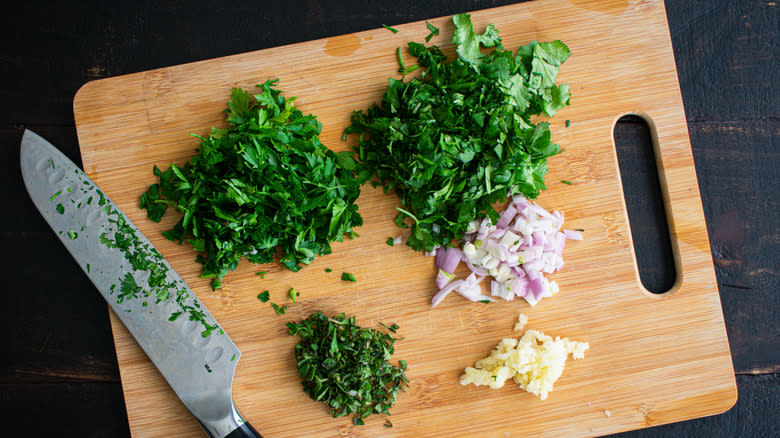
x,y
653,359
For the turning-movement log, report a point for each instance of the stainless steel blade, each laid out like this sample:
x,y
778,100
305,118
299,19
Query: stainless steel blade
x,y
198,366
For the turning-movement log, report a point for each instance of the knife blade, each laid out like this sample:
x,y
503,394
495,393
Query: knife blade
x,y
183,340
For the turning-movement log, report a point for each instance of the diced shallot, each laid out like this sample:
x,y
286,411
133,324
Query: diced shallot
x,y
524,244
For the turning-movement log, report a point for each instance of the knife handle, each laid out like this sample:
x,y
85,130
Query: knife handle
x,y
244,431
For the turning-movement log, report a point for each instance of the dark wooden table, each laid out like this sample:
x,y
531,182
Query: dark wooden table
x,y
58,373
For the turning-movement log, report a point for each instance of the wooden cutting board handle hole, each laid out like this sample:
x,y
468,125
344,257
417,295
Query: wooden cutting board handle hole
x,y
636,150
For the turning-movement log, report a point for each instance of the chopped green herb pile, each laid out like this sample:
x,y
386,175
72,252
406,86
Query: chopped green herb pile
x,y
265,184
347,366
460,137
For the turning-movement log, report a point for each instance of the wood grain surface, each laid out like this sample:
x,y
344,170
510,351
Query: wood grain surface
x,y
58,370
623,64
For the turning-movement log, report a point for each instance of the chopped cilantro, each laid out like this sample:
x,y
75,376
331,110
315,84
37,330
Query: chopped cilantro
x,y
390,241
73,235
60,209
464,134
346,276
264,296
328,270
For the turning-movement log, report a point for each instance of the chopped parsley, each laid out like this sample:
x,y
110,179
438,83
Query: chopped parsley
x,y
73,235
264,296
143,257
60,209
567,182
264,184
328,270
460,137
293,295
346,276
279,310
390,241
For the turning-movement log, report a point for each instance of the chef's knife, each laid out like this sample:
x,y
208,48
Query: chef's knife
x,y
172,326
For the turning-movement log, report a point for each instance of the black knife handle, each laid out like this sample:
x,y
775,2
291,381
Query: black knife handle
x,y
244,431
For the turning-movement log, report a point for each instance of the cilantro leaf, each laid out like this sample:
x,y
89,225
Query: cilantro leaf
x,y
469,41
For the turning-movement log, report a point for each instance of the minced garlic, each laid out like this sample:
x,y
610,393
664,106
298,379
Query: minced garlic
x,y
535,362
522,320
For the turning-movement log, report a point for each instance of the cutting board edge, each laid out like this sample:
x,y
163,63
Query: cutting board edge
x,y
118,327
